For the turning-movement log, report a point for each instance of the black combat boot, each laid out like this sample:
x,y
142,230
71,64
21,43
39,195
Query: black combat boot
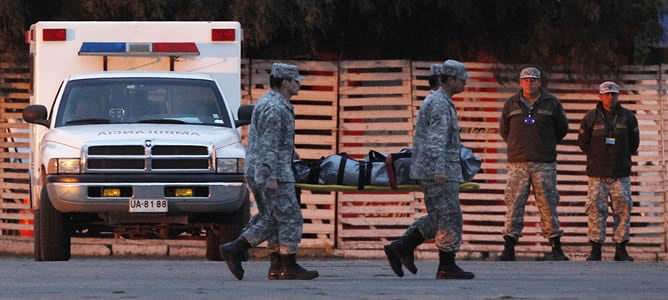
x,y
290,270
447,269
557,253
275,266
233,254
401,252
595,252
508,253
620,252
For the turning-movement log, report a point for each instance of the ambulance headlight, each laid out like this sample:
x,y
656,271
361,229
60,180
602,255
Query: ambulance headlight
x,y
230,165
64,166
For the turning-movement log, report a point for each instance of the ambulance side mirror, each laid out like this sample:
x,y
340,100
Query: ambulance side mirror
x,y
36,114
245,113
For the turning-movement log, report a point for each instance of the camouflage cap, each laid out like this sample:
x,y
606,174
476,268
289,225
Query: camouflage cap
x,y
435,70
608,87
280,70
454,68
530,72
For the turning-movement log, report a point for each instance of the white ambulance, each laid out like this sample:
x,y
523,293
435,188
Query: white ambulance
x,y
133,133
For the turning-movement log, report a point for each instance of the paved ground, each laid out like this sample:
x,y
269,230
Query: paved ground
x,y
154,278
127,269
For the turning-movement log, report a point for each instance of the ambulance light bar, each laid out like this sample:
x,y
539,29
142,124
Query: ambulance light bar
x,y
138,49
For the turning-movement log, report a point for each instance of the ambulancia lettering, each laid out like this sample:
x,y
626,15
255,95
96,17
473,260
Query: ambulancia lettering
x,y
138,132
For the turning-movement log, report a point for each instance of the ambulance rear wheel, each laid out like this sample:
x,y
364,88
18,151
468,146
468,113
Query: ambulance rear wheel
x,y
54,236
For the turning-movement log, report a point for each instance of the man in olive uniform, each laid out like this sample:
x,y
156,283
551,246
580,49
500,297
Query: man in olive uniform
x,y
609,135
269,174
436,165
532,123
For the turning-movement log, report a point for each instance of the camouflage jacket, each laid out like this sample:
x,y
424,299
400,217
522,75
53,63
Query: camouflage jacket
x,y
271,139
436,142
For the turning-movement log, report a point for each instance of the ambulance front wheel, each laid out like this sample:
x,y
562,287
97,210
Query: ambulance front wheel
x,y
37,252
52,235
228,228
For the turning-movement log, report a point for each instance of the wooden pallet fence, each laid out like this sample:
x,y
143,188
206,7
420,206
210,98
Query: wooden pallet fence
x,y
15,214
245,82
370,220
663,143
374,114
357,106
315,137
479,108
374,106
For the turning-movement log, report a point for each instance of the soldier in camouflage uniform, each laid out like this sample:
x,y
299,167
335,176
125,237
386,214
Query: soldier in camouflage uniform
x,y
421,229
532,123
423,225
436,165
609,136
271,179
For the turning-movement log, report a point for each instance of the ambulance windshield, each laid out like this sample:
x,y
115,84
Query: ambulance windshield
x,y
142,100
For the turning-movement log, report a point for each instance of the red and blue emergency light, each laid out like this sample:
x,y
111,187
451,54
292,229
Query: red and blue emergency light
x,y
138,49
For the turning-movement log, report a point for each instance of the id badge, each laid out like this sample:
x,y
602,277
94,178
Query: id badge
x,y
609,141
529,121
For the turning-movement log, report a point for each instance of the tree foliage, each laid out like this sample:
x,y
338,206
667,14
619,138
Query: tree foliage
x,y
584,35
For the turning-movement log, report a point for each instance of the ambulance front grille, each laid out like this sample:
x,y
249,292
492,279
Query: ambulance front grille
x,y
148,158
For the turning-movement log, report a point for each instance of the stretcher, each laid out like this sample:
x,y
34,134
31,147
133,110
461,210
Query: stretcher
x,y
466,186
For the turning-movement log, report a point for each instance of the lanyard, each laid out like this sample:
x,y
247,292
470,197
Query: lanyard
x,y
608,125
529,120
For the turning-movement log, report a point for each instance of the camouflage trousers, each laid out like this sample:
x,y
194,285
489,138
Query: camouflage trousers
x,y
618,190
279,219
543,178
443,221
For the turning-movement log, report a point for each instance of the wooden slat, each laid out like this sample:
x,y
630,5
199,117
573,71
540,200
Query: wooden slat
x,y
373,92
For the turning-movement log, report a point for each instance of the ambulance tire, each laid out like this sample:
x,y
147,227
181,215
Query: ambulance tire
x,y
54,235
37,251
227,230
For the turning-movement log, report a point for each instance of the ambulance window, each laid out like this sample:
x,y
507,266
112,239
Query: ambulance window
x,y
142,100
196,102
180,101
84,104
